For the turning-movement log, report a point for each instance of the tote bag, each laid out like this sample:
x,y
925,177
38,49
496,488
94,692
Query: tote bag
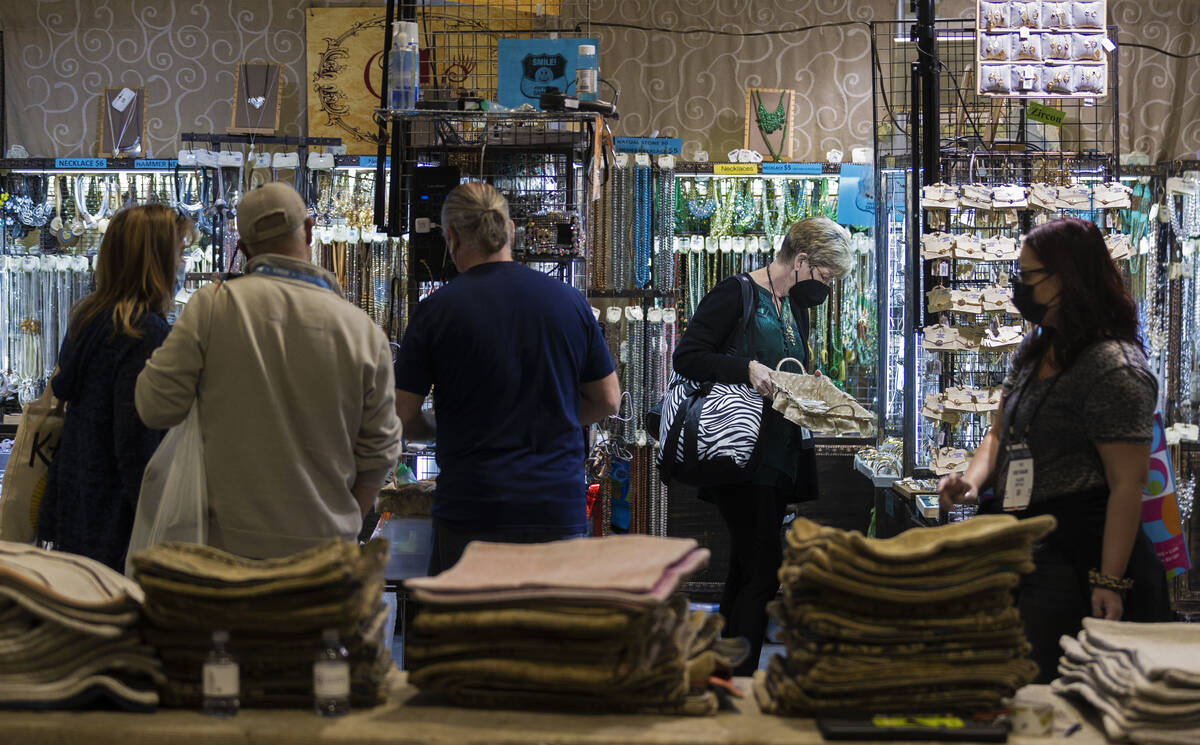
x,y
708,432
29,466
173,501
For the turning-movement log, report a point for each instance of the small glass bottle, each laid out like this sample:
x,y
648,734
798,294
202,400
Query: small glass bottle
x,y
222,684
587,73
331,677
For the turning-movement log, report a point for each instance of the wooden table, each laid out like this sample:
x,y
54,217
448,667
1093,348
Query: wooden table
x,y
405,722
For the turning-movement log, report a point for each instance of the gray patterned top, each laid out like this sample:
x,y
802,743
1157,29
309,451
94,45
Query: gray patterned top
x,y
1108,395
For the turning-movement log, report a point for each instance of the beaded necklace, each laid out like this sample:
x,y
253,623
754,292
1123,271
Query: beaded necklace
x,y
743,206
664,260
722,218
642,220
773,221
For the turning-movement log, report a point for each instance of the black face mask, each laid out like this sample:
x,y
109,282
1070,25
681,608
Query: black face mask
x,y
1030,309
808,293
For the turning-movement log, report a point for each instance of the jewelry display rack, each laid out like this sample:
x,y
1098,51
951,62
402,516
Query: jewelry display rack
x,y
659,243
54,210
952,344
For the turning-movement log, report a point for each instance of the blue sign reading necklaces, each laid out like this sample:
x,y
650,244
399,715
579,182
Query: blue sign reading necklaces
x,y
527,67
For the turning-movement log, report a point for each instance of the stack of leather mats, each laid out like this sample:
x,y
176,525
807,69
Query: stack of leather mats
x,y
1143,679
69,634
591,623
917,623
274,611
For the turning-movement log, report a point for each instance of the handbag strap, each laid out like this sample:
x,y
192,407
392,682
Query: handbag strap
x,y
691,427
746,329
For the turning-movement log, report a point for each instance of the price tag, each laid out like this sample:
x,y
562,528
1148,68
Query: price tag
x,y
1018,488
642,159
1107,44
1024,32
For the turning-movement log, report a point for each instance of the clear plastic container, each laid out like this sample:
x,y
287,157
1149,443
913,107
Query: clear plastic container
x,y
331,677
587,73
404,66
222,682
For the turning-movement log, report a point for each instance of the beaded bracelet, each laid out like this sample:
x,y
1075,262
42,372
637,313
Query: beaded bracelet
x,y
1119,585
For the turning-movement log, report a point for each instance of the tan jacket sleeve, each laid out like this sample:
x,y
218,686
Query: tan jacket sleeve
x,y
377,446
166,387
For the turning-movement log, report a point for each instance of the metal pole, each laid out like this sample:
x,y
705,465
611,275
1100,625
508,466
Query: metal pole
x,y
927,58
912,283
881,261
381,150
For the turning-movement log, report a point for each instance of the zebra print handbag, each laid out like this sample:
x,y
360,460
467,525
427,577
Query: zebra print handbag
x,y
708,432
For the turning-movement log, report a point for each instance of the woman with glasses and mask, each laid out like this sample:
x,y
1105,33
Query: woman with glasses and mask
x,y
1072,439
814,253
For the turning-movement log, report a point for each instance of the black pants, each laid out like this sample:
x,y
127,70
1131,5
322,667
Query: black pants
x,y
1054,600
449,544
754,516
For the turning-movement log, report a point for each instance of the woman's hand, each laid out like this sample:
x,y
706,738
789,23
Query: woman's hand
x,y
760,379
956,489
1107,604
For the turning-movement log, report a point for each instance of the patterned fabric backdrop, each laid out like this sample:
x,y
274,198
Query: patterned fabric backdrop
x,y
61,53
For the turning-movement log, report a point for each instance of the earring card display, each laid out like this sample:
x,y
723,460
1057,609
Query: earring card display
x,y
769,116
256,99
1042,49
122,122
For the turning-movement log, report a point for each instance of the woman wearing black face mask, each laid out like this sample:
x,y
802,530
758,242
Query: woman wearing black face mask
x,y
1073,440
813,254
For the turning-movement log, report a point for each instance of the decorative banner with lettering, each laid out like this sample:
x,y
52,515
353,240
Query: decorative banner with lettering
x,y
345,70
1160,508
346,59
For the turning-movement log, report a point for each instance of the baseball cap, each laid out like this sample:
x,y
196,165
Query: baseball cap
x,y
268,212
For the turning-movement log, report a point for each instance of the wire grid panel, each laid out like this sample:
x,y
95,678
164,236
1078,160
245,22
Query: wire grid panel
x,y
972,123
459,40
535,160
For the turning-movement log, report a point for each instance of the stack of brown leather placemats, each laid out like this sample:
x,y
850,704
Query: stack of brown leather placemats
x,y
590,623
922,622
69,634
274,611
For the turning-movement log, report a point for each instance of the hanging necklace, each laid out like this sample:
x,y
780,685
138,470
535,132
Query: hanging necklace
x,y
258,102
770,122
785,328
134,147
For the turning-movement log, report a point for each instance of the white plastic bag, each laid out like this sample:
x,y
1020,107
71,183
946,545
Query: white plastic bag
x,y
173,502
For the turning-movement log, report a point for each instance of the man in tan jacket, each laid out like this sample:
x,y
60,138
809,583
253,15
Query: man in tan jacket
x,y
295,389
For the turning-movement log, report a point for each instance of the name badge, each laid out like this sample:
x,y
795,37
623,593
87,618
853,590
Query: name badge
x,y
1018,487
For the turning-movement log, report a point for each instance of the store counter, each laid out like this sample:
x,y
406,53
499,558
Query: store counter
x,y
413,722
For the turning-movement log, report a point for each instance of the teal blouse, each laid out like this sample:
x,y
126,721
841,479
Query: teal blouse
x,y
776,336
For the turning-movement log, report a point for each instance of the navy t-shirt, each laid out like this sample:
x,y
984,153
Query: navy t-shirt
x,y
505,349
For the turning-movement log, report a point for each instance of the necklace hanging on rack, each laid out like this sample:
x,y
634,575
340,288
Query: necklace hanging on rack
x,y
773,219
770,122
700,205
119,148
257,101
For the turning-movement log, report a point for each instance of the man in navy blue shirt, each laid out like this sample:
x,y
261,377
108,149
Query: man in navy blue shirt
x,y
518,367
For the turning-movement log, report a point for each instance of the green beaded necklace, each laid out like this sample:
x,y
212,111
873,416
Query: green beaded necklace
x,y
770,122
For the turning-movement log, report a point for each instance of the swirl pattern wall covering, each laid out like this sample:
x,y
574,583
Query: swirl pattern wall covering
x,y
61,53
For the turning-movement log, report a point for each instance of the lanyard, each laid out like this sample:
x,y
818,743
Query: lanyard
x,y
278,271
1033,415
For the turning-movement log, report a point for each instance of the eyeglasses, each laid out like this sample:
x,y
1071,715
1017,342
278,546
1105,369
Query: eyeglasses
x,y
1024,275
